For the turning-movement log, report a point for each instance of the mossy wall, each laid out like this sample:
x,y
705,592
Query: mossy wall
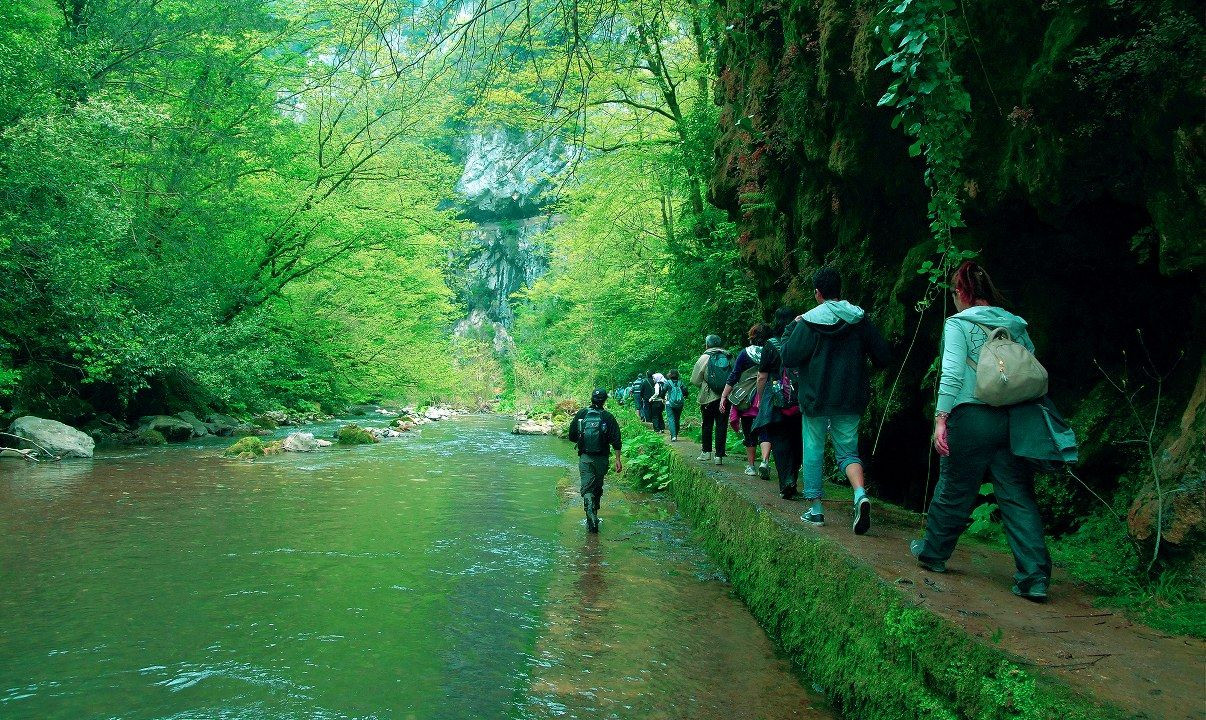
x,y
875,654
1085,195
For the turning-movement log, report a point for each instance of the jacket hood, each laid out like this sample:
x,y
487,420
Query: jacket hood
x,y
994,317
658,377
832,312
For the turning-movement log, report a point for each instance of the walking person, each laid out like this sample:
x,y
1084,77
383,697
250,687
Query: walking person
x,y
676,397
657,403
831,344
595,432
741,393
646,394
973,436
710,372
779,410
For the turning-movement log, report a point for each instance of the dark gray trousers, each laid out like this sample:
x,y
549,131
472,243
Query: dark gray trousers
x,y
979,440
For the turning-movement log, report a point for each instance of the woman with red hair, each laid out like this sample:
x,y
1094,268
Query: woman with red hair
x,y
973,438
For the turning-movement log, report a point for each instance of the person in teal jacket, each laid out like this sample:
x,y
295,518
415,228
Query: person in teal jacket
x,y
973,438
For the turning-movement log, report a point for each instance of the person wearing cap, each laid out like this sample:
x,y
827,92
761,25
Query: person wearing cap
x,y
595,432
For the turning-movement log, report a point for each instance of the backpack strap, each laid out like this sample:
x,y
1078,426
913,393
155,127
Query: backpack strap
x,y
991,333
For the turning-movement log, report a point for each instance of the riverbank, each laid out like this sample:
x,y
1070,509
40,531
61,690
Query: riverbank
x,y
885,639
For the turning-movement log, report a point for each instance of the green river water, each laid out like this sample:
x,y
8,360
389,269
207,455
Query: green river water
x,y
447,574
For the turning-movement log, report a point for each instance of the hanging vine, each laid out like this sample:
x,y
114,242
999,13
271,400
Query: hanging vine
x,y
933,108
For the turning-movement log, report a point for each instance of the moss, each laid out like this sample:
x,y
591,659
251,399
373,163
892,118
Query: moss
x,y
892,659
249,444
354,435
265,422
276,447
150,437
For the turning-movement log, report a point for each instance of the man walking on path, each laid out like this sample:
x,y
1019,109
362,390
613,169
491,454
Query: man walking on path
x,y
710,373
596,432
830,345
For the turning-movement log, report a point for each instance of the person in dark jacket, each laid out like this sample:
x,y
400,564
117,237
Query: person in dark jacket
x,y
647,388
779,415
594,424
830,345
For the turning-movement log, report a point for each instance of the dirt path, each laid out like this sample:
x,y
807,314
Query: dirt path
x,y
1099,652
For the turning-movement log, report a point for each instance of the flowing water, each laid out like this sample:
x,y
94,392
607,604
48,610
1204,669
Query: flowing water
x,y
447,574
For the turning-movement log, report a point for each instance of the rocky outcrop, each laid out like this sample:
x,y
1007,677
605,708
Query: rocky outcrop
x,y
171,427
53,437
510,174
200,429
534,427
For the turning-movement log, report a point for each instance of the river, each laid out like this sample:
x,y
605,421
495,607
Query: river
x,y
446,574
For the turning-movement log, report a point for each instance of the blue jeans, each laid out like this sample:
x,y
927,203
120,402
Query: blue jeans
x,y
844,430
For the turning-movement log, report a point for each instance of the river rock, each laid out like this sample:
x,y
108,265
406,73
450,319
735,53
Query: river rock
x,y
533,427
199,428
299,442
54,436
172,428
219,424
323,443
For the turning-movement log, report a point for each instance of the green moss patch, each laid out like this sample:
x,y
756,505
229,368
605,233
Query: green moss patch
x,y
251,445
354,435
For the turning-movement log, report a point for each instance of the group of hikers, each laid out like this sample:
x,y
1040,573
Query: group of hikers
x,y
805,377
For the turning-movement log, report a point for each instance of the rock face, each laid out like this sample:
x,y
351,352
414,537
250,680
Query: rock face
x,y
54,436
172,428
299,442
508,181
199,428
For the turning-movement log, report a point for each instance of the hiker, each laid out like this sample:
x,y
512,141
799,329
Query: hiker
x,y
657,403
676,398
634,394
830,345
741,393
992,417
710,373
779,411
596,432
646,394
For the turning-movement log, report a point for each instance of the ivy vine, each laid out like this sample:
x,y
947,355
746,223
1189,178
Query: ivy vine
x,y
932,106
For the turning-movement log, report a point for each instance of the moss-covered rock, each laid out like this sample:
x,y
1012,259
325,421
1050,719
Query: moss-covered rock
x,y
150,437
248,445
354,435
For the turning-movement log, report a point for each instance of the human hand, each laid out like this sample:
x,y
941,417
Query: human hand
x,y
619,465
941,443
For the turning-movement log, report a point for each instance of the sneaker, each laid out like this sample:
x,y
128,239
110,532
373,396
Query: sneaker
x,y
718,459
673,438
764,470
749,470
812,518
788,493
862,516
1037,592
704,457
917,547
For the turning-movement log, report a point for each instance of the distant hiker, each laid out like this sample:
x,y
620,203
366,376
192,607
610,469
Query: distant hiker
x,y
596,432
676,397
709,374
830,345
634,394
657,403
646,393
991,417
779,411
741,394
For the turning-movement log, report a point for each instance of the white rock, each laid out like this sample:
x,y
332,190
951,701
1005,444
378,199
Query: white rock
x,y
54,436
300,442
324,443
533,427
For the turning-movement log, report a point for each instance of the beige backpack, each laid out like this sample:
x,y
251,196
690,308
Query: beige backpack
x,y
1007,373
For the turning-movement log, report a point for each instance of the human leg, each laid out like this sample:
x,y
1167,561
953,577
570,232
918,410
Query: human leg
x,y
1013,485
974,433
812,431
658,412
675,417
708,415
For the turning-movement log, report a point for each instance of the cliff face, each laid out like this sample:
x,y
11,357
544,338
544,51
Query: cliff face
x,y
508,181
1087,179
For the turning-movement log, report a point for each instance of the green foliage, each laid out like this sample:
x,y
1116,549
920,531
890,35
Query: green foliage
x,y
647,457
250,444
354,435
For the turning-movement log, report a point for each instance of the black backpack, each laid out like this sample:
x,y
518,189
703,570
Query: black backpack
x,y
592,433
717,373
785,388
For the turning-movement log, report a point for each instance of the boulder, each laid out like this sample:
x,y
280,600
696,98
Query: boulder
x,y
533,427
171,427
219,424
299,442
323,443
55,437
199,428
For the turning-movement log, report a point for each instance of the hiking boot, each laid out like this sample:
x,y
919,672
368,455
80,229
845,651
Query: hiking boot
x,y
817,519
862,516
788,493
749,470
704,457
592,514
917,547
718,459
1037,592
764,470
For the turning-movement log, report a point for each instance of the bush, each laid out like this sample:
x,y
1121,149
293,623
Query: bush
x,y
354,435
249,445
